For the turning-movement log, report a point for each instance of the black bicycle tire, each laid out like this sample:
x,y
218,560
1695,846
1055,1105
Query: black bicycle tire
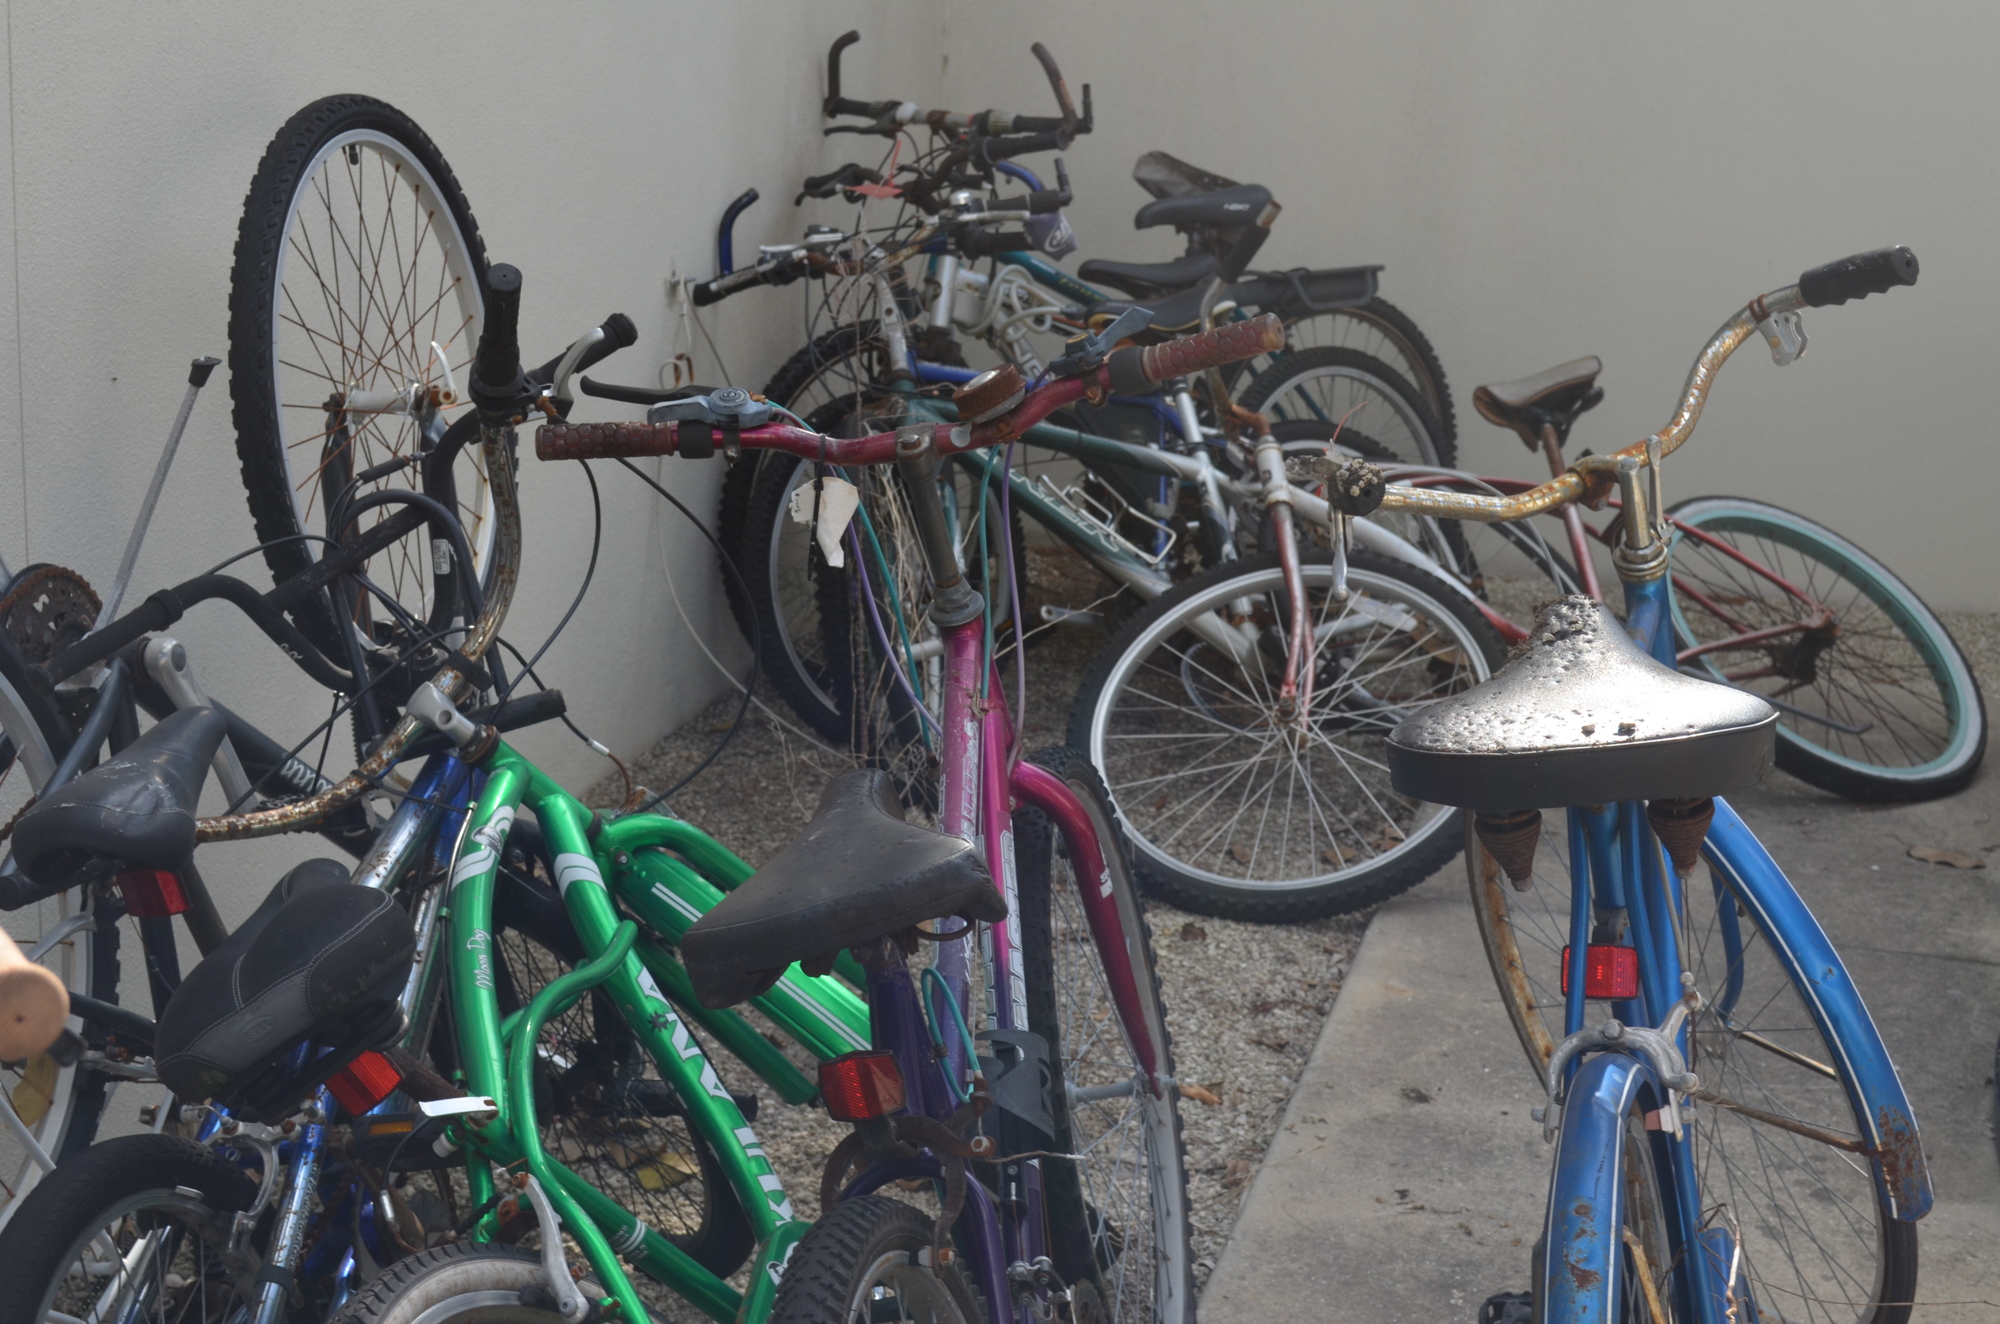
x,y
70,1203
491,1269
1801,757
1258,392
527,905
1413,346
261,234
1340,896
820,1276
1063,1197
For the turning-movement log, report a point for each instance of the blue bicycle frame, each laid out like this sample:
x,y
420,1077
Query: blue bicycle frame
x,y
1615,862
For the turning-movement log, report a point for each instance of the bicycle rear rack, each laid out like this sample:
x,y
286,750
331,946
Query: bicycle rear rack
x,y
1103,510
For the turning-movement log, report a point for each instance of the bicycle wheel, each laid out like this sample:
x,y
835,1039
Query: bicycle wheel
x,y
862,1262
1818,1244
1877,701
1382,331
605,1111
43,609
135,1229
1328,385
358,268
1118,1212
1232,810
464,1281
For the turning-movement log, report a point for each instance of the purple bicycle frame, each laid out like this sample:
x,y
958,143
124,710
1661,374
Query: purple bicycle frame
x,y
980,787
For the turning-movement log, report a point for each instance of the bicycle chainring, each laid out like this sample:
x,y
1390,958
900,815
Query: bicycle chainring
x,y
46,609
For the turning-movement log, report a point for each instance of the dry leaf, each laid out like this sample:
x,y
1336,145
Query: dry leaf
x,y
1265,1007
1957,859
1276,1043
1238,853
1415,1095
1333,857
1193,932
1201,1094
1237,1174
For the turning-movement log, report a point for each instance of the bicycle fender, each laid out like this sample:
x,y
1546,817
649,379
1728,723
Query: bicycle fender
x,y
1582,1249
1882,1109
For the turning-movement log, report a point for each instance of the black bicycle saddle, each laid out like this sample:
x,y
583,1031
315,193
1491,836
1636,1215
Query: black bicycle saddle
x,y
1557,395
136,810
858,872
323,959
1241,205
1147,280
1581,716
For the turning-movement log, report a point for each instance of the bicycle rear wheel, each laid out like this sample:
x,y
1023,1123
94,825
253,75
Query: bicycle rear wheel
x,y
1382,331
1818,1242
1118,1212
1878,701
358,268
1327,385
1234,813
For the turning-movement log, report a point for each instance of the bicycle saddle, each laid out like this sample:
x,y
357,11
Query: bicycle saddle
x,y
1240,205
1580,716
1555,396
323,960
1149,279
858,872
137,810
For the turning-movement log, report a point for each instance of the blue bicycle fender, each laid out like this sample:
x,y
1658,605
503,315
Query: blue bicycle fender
x,y
1882,1109
1583,1245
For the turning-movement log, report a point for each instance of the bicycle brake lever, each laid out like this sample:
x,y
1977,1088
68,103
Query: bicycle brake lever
x,y
1786,335
1086,351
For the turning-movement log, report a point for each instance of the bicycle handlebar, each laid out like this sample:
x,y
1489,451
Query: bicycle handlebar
x,y
1124,370
496,367
1039,133
1591,478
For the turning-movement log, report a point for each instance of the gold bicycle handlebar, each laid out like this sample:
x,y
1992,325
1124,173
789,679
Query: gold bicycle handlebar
x,y
1591,478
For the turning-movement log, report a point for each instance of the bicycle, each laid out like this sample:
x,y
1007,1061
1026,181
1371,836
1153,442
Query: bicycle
x,y
666,893
1733,1049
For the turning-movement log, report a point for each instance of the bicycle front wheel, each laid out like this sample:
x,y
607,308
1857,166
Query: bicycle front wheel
x,y
359,275
136,1229
1118,1206
1877,702
1818,1243
1234,808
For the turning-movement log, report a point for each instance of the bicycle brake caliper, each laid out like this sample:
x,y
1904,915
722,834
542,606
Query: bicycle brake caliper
x,y
1786,335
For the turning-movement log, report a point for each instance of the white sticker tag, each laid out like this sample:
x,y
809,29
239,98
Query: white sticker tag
x,y
838,500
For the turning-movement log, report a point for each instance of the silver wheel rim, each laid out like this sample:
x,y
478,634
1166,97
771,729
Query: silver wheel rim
x,y
1156,791
1331,403
361,201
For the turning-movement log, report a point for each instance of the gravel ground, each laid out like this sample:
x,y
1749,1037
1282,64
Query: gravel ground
x,y
1245,1002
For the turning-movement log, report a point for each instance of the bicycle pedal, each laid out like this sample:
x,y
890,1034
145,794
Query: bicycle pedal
x,y
1507,1308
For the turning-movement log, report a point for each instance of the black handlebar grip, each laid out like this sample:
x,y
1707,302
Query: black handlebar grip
x,y
498,361
619,333
989,244
1061,89
1859,276
831,107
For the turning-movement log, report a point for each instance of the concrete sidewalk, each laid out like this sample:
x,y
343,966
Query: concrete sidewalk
x,y
1407,1180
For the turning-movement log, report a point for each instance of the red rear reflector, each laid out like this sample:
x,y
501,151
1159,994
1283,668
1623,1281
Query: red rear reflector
x,y
1610,974
861,1086
151,893
364,1082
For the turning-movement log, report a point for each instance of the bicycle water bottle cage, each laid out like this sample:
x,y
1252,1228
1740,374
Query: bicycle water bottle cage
x,y
1582,716
728,407
1087,351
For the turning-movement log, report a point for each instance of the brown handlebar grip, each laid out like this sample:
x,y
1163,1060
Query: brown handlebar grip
x,y
602,441
33,1004
1212,349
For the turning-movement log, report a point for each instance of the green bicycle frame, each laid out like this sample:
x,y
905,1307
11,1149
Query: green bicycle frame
x,y
665,873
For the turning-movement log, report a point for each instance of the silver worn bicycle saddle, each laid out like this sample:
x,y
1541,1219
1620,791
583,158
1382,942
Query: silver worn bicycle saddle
x,y
1581,716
